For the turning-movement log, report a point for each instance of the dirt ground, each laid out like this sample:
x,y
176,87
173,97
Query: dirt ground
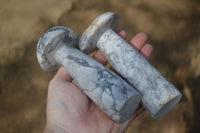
x,y
173,30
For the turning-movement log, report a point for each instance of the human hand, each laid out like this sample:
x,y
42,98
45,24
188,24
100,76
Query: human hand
x,y
69,110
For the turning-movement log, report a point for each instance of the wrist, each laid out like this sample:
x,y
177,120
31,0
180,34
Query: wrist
x,y
51,128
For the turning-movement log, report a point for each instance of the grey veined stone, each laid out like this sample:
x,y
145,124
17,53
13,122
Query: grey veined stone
x,y
115,97
159,96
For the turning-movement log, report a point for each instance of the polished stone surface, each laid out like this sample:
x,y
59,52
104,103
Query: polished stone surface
x,y
112,94
159,96
96,29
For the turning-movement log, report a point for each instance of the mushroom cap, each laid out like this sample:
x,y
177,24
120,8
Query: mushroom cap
x,y
49,43
89,38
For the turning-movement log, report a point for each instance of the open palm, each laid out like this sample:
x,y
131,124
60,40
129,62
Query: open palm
x,y
69,110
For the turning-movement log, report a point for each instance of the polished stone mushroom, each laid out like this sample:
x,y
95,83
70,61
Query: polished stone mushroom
x,y
159,96
115,97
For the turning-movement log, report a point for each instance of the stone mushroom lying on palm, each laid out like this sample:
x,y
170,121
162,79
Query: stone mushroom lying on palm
x,y
115,97
159,96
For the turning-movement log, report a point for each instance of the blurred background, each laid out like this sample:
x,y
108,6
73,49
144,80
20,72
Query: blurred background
x,y
173,27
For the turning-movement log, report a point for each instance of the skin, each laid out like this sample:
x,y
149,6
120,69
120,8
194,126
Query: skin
x,y
69,110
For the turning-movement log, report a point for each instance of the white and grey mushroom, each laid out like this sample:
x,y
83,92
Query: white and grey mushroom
x,y
159,96
114,96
